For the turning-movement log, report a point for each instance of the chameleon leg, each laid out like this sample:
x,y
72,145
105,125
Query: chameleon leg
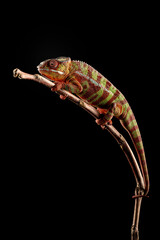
x,y
114,110
101,120
74,86
57,87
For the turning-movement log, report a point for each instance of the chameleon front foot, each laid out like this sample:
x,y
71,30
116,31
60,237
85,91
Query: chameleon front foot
x,y
58,86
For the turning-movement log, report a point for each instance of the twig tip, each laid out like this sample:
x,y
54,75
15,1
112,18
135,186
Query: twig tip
x,y
15,72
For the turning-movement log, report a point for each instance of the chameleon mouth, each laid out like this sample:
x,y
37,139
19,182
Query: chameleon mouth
x,y
40,69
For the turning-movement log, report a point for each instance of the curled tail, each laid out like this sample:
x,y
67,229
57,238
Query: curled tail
x,y
130,124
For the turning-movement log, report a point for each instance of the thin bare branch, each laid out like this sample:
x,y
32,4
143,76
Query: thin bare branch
x,y
91,110
112,130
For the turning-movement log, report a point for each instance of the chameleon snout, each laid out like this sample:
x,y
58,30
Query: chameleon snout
x,y
40,65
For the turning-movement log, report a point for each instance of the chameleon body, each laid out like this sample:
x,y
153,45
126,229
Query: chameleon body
x,y
87,83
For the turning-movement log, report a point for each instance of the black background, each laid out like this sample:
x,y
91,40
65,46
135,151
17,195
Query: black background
x,y
63,175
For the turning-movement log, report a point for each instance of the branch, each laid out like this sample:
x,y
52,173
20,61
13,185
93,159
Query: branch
x,y
91,110
112,130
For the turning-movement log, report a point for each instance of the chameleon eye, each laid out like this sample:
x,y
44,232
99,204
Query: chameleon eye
x,y
53,63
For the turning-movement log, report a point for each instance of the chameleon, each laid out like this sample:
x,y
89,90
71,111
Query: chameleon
x,y
87,83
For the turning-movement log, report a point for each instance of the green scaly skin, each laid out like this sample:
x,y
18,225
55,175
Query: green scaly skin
x,y
83,80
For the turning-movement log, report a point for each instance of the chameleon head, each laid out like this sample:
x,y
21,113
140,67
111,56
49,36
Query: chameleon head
x,y
56,69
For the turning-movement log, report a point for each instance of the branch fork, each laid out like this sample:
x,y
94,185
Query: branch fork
x,y
139,192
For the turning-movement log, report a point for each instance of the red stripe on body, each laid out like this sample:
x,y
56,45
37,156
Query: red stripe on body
x,y
90,69
134,128
130,119
116,94
141,152
108,84
137,139
92,87
105,92
104,95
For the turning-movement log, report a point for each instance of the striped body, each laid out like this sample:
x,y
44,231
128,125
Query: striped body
x,y
83,80
97,90
101,93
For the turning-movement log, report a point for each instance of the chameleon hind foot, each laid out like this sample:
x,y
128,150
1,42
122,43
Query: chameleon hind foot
x,y
102,122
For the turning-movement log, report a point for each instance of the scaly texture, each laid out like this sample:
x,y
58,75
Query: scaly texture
x,y
83,80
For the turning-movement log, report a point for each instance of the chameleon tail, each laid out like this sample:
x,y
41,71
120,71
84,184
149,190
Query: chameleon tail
x,y
130,124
